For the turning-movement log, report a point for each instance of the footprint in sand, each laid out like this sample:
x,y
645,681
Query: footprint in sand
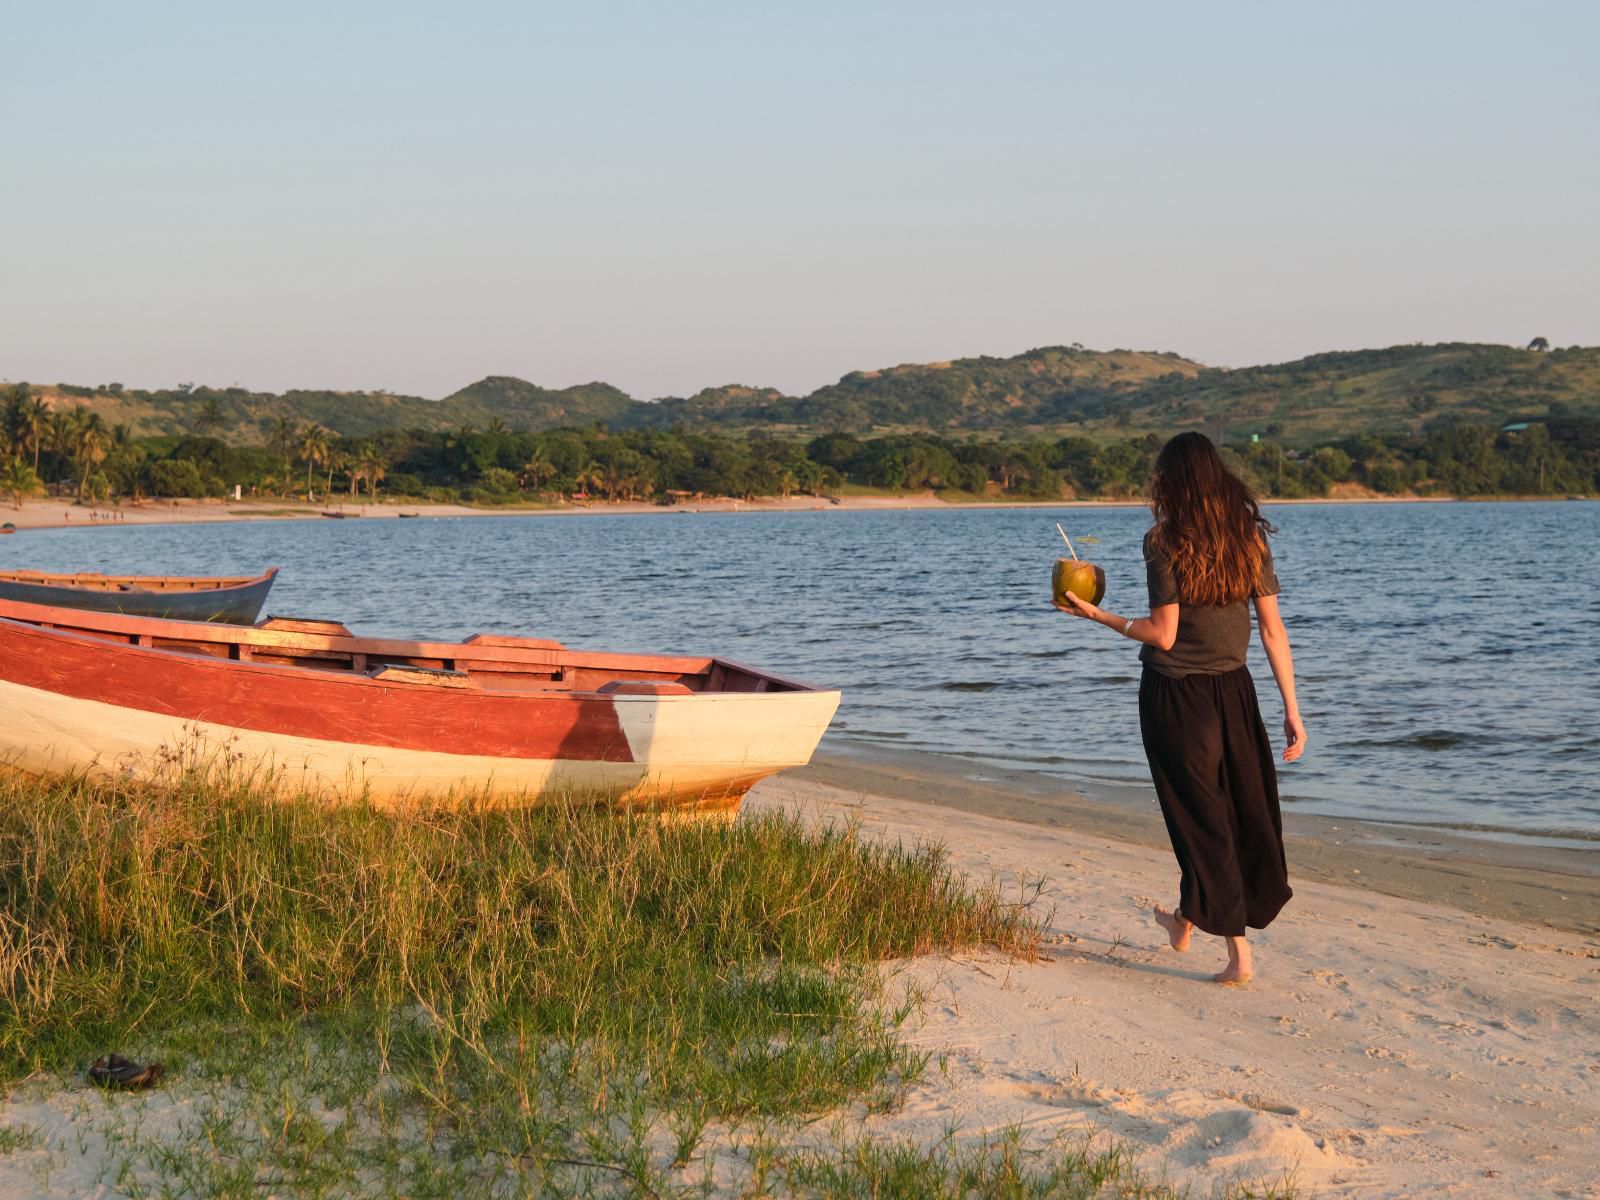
x,y
1080,1093
1445,1025
1331,978
1398,1057
1080,1096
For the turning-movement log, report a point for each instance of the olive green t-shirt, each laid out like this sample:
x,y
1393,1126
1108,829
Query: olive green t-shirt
x,y
1212,638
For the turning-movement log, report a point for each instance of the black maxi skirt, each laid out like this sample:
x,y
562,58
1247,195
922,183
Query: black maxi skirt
x,y
1213,770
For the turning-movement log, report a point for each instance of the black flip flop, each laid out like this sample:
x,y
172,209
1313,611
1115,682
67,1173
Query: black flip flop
x,y
114,1071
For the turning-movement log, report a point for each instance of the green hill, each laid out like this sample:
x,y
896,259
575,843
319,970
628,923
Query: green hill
x,y
524,405
1401,389
1052,390
249,417
1056,390
1045,387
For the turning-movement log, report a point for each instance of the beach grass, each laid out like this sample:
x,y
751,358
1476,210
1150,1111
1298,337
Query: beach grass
x,y
130,907
565,999
537,959
1005,1165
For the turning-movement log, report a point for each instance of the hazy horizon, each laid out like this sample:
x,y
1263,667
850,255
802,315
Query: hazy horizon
x,y
385,197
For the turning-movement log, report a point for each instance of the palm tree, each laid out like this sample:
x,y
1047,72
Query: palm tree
x,y
338,460
313,447
16,418
90,450
590,474
38,418
283,442
209,418
536,470
19,481
371,466
60,431
90,425
613,478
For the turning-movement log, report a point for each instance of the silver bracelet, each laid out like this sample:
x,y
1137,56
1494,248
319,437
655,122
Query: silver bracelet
x,y
1128,625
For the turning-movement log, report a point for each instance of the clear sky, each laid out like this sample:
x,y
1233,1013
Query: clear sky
x,y
671,195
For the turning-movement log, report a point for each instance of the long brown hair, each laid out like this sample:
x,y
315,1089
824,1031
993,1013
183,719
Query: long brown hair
x,y
1208,523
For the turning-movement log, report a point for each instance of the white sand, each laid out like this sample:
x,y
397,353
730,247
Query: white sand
x,y
1386,1047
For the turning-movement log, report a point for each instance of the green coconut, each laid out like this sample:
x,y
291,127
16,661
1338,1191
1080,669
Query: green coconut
x,y
1083,579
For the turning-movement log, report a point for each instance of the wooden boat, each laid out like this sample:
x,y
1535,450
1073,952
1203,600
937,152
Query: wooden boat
x,y
8,527
334,514
234,599
512,717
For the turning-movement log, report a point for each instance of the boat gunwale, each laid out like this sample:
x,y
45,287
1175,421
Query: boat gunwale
x,y
95,581
37,622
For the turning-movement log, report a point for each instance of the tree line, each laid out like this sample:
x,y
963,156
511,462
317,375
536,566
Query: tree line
x,y
72,451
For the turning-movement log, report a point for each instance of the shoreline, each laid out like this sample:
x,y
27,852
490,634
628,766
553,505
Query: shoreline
x,y
67,514
1501,877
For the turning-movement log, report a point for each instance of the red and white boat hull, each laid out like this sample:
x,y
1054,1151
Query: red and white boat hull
x,y
76,702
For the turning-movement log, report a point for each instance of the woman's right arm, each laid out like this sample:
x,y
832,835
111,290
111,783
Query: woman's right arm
x,y
1275,641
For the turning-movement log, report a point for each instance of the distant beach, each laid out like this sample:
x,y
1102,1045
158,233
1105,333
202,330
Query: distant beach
x,y
51,514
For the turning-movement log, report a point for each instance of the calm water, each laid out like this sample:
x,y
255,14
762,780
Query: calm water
x,y
1447,653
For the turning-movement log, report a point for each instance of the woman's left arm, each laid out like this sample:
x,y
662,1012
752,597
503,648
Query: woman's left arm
x,y
1159,629
1275,641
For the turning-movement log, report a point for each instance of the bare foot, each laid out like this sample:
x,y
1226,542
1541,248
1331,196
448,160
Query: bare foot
x,y
1178,929
1239,970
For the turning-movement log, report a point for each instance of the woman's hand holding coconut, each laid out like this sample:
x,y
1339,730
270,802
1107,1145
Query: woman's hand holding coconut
x,y
1077,606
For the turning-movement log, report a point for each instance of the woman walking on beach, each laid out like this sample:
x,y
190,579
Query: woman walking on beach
x,y
1203,735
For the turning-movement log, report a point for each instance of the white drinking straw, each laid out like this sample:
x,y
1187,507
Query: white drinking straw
x,y
1067,540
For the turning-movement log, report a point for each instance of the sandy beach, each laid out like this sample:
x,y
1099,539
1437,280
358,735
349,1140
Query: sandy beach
x,y
63,513
1422,1022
